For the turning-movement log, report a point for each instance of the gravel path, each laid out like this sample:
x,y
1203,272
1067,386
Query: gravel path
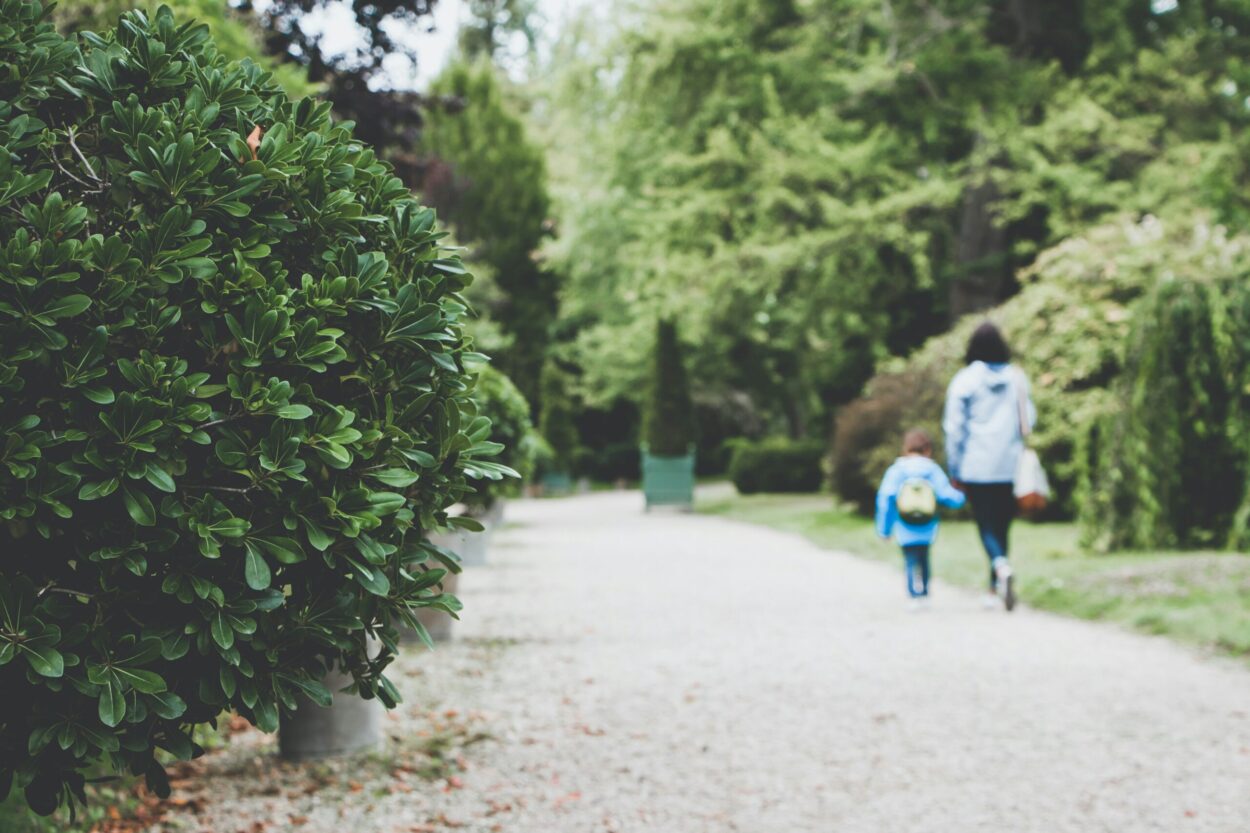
x,y
682,674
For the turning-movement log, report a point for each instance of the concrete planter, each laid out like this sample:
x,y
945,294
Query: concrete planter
x,y
493,519
668,481
555,483
472,547
349,725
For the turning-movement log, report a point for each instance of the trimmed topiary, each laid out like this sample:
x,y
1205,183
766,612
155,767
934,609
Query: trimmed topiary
x,y
668,420
232,395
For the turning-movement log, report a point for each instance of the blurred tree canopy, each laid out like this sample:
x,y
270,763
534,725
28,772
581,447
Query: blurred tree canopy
x,y
489,182
809,188
361,81
492,23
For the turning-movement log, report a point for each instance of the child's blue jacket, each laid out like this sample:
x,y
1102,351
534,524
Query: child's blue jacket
x,y
909,468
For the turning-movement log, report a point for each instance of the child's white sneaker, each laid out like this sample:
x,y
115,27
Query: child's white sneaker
x,y
915,605
990,601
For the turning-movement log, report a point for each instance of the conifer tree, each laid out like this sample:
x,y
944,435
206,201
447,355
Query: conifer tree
x,y
669,418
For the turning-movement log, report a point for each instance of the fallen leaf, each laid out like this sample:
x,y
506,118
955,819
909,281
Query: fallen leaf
x,y
253,140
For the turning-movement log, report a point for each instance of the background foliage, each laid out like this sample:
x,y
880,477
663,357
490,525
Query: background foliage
x,y
488,181
1071,328
1170,467
556,424
814,190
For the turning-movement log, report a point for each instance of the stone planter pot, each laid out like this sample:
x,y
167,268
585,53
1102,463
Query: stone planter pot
x,y
668,481
555,483
349,725
472,547
493,519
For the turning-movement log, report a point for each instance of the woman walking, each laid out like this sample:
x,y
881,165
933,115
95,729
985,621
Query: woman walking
x,y
987,409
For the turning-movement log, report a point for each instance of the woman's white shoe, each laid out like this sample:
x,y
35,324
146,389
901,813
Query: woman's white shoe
x,y
1006,582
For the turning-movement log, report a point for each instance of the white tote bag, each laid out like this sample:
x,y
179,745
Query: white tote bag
x,y
1032,488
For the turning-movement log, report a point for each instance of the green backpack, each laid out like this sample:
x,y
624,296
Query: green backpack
x,y
916,501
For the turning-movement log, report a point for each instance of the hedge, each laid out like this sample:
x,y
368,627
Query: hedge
x,y
777,464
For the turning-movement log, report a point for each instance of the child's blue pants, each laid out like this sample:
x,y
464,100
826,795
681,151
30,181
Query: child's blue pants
x,y
917,559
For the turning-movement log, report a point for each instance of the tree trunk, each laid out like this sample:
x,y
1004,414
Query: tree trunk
x,y
983,267
795,415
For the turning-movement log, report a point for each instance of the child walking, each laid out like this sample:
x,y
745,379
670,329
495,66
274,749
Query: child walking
x,y
907,508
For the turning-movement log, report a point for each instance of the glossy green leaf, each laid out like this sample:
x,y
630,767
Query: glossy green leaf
x,y
255,570
112,703
68,306
139,506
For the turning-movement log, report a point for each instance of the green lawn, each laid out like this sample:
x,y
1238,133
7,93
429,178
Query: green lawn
x,y
1202,598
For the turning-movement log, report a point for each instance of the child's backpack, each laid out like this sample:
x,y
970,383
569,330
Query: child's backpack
x,y
916,502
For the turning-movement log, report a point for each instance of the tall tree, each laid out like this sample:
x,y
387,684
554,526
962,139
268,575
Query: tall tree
x,y
809,188
493,24
489,182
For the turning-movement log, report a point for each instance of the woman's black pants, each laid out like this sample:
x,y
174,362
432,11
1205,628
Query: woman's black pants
x,y
993,507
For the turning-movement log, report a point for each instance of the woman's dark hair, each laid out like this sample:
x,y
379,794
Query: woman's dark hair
x,y
988,345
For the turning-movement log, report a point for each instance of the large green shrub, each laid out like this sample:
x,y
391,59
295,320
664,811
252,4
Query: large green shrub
x,y
1169,469
232,395
498,400
612,462
777,464
668,418
868,432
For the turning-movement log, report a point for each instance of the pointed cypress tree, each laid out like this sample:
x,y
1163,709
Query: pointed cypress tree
x,y
669,419
555,420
